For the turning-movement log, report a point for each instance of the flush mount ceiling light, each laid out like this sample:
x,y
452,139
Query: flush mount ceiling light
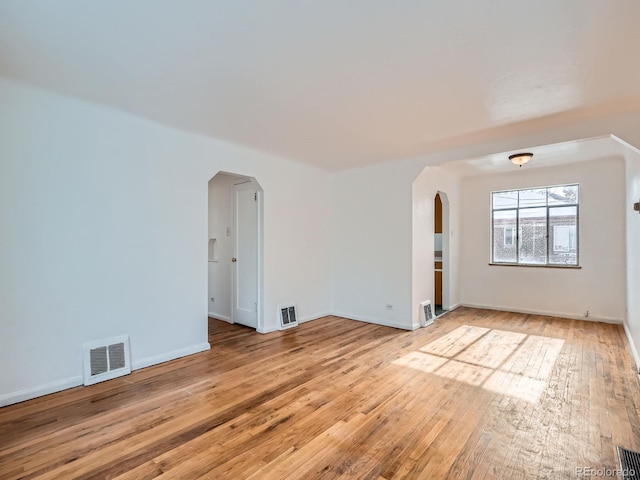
x,y
520,158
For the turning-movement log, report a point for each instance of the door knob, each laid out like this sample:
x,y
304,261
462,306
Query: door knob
x,y
234,259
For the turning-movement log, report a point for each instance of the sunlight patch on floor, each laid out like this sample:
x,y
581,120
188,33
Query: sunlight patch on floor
x,y
500,361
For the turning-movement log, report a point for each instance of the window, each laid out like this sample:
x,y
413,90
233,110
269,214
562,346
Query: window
x,y
564,238
535,226
509,236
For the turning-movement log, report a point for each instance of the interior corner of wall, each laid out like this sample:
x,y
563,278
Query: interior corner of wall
x,y
632,346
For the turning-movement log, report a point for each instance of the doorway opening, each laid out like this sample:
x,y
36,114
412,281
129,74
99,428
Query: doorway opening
x,y
441,253
235,233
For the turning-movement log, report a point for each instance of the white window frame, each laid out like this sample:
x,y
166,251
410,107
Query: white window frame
x,y
517,230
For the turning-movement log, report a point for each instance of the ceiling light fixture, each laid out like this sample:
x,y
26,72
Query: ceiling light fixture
x,y
520,158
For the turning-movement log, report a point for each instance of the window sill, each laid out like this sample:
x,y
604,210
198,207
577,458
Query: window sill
x,y
573,267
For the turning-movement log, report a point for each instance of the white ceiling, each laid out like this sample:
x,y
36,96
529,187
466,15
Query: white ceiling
x,y
585,150
334,83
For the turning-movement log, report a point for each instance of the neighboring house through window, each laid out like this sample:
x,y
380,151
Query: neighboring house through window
x,y
509,236
535,226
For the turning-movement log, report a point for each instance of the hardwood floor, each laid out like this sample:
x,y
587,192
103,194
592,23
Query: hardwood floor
x,y
480,394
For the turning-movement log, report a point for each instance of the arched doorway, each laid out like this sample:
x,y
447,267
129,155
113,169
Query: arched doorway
x,y
235,250
441,253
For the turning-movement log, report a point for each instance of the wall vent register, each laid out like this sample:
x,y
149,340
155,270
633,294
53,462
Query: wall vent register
x,y
426,313
106,359
288,317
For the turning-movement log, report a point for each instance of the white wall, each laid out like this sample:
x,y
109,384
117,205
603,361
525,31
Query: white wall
x,y
632,323
599,286
220,225
372,208
431,181
104,221
104,232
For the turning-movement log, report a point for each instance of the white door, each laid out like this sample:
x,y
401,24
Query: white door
x,y
245,255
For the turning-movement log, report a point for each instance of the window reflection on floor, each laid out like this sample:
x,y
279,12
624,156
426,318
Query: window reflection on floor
x,y
503,362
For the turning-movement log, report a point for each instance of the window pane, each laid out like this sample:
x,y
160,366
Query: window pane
x,y
505,199
564,194
563,235
533,236
509,236
504,224
533,198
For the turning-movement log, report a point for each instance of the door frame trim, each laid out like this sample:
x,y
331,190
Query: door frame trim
x,y
446,249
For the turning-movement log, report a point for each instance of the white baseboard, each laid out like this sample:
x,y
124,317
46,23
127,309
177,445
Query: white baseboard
x,y
217,316
165,357
64,384
306,318
617,321
454,306
375,321
315,316
634,351
46,389
416,326
267,330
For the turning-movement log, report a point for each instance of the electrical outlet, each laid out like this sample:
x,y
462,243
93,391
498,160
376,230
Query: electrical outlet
x,y
388,306
212,299
586,313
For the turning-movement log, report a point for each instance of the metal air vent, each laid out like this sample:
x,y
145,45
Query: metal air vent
x,y
426,313
106,359
287,314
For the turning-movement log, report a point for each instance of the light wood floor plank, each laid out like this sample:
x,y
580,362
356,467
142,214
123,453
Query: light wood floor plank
x,y
479,394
